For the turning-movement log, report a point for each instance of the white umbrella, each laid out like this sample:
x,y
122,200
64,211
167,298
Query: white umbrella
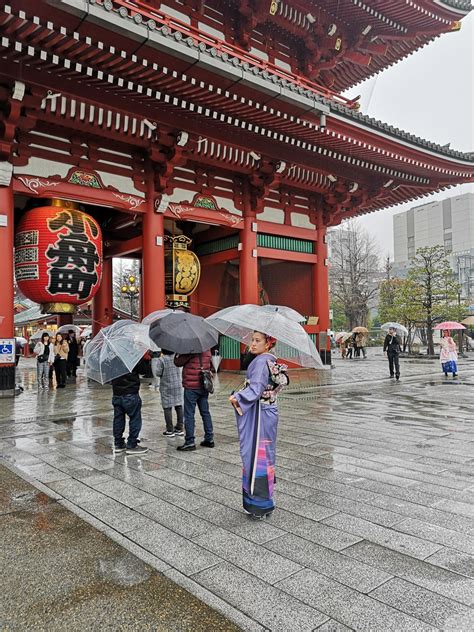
x,y
216,360
160,313
116,350
21,340
65,329
293,343
400,328
287,312
86,332
37,335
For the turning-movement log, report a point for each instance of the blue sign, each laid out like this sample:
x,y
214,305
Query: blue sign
x,y
7,350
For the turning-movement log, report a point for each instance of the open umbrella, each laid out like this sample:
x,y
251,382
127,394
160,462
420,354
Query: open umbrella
x,y
449,325
65,329
340,335
360,330
160,313
469,321
116,350
21,340
287,312
37,335
183,333
293,343
390,325
86,332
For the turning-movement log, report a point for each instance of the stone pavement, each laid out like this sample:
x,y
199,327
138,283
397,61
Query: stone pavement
x,y
373,529
59,573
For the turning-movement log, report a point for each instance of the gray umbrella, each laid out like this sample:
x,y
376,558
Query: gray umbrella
x,y
183,333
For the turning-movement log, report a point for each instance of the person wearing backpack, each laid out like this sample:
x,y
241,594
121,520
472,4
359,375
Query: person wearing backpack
x,y
44,352
257,423
197,385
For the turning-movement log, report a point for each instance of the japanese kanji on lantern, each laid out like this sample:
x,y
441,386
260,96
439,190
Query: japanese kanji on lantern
x,y
182,270
58,256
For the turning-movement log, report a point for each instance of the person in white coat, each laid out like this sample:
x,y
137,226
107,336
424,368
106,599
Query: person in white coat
x,y
44,352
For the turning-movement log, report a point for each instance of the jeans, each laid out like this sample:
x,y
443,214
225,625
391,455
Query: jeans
x,y
393,359
42,373
130,405
201,398
169,418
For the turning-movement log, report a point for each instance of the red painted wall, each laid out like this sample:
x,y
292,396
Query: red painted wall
x,y
218,288
289,283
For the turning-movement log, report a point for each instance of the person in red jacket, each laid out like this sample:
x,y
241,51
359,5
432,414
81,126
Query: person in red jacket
x,y
194,393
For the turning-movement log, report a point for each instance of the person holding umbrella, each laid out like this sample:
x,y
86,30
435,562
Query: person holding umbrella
x,y
269,334
257,423
448,356
392,348
191,338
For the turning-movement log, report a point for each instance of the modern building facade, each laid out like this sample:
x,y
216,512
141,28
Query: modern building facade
x,y
448,223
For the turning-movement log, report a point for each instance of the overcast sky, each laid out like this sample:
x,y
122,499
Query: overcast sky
x,y
430,94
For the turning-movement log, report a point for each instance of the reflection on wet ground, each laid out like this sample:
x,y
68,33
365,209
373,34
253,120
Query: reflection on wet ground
x,y
374,523
59,573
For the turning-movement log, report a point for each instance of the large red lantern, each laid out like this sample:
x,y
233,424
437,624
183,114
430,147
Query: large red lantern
x,y
58,256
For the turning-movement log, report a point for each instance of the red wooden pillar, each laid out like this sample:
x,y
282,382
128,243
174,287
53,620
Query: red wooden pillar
x,y
248,254
321,293
153,255
102,303
6,248
7,371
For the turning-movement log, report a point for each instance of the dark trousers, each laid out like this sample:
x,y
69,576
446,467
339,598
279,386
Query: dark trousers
x,y
201,398
393,361
349,352
130,405
60,371
169,418
71,367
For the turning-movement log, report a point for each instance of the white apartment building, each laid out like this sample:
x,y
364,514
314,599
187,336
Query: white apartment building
x,y
449,223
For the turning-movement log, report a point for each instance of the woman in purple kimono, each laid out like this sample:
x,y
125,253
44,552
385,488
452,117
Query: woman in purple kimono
x,y
257,421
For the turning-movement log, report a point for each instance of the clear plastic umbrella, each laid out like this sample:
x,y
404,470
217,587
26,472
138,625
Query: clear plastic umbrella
x,y
116,350
390,325
37,335
293,343
21,340
287,312
160,313
65,329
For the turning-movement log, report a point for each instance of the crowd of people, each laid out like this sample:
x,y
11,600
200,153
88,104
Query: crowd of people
x,y
57,358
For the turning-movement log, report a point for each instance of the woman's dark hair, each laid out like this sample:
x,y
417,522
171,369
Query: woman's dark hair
x,y
166,352
58,333
43,336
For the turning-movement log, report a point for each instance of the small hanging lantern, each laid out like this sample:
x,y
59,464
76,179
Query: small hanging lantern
x,y
182,270
58,256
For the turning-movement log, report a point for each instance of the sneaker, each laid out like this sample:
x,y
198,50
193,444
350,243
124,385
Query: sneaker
x,y
169,433
186,448
137,450
179,433
118,449
46,388
207,444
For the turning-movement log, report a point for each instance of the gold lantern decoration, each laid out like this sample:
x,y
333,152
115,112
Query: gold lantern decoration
x,y
182,270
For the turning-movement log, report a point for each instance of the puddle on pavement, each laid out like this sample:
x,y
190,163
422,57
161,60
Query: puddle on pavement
x,y
124,571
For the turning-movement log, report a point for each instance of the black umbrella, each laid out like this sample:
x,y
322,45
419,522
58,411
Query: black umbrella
x,y
183,333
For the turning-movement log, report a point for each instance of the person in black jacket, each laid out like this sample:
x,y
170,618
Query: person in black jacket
x,y
127,401
73,353
391,347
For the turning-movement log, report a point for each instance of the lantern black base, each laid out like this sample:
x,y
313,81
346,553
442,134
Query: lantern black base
x,y
7,381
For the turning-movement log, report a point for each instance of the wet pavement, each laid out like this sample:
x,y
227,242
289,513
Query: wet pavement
x,y
59,573
374,525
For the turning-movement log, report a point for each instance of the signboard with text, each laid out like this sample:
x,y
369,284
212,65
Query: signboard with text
x,y
7,350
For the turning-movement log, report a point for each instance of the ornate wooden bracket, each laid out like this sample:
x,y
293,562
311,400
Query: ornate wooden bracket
x,y
18,108
261,179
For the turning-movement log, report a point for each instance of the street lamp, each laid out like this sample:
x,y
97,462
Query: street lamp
x,y
130,289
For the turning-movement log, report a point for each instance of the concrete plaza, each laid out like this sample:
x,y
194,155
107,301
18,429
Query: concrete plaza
x,y
374,525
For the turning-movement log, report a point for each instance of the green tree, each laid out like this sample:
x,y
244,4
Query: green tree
x,y
432,288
